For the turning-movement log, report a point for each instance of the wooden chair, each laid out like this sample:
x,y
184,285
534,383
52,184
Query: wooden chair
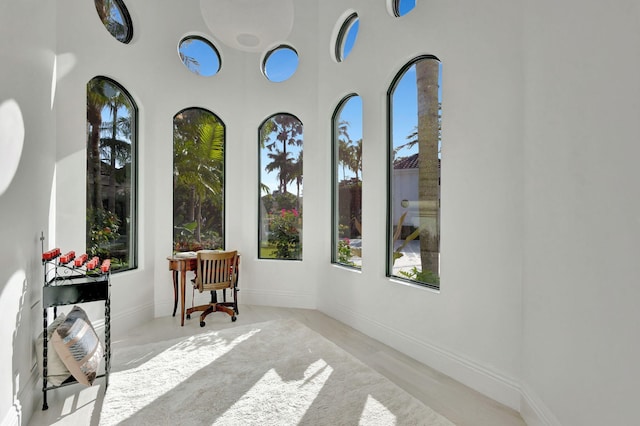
x,y
216,270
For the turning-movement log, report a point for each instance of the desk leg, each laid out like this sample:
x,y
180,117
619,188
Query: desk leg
x,y
175,292
183,284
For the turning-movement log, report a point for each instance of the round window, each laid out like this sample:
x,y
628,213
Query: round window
x,y
199,56
280,64
347,37
115,17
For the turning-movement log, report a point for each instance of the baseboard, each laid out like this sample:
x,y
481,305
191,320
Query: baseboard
x,y
131,317
246,296
495,385
287,299
534,411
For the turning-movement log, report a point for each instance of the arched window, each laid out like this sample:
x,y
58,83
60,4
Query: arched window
x,y
414,102
280,63
198,180
280,188
115,18
347,183
111,173
199,56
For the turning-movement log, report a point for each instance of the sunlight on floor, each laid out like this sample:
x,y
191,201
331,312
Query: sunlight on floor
x,y
291,398
132,400
374,409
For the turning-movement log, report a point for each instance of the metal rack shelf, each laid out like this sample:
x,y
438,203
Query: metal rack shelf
x,y
66,284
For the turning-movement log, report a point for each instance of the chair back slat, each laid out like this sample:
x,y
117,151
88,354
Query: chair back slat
x,y
216,270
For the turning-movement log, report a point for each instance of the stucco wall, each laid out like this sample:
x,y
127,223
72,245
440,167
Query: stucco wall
x,y
470,329
27,160
580,317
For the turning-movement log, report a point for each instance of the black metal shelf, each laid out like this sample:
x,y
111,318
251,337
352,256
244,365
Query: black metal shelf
x,y
69,285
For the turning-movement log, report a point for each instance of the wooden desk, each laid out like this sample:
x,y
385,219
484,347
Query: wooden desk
x,y
182,265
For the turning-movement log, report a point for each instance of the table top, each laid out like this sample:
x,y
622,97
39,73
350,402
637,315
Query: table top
x,y
191,255
183,255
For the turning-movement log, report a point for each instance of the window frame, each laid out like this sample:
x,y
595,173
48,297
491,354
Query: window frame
x,y
335,212
266,59
259,214
126,17
133,201
224,172
343,33
390,167
208,43
395,8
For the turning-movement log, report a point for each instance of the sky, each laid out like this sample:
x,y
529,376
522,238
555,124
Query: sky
x,y
203,52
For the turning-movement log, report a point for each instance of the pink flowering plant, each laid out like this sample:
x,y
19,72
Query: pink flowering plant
x,y
344,252
284,234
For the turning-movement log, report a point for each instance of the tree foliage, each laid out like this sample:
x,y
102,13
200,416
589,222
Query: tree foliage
x,y
198,172
109,130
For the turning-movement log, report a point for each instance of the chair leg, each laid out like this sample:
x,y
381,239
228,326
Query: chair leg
x,y
221,308
210,309
235,300
228,307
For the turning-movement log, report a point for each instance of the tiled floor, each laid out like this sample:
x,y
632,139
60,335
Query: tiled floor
x,y
74,405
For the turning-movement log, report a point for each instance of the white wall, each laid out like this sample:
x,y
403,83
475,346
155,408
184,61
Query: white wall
x,y
582,226
470,329
27,149
540,101
405,187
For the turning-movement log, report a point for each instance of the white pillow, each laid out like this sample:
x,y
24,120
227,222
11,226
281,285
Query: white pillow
x,y
78,346
57,372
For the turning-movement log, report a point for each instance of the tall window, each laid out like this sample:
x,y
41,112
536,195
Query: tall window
x,y
198,180
414,171
111,173
280,216
347,183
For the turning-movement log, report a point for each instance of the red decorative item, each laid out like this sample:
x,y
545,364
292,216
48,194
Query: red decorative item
x,y
106,265
81,259
68,257
51,254
93,263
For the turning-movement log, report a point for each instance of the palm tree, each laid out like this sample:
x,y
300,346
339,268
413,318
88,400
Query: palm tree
x,y
288,130
296,175
427,73
118,149
108,17
107,155
190,62
344,143
355,158
199,162
96,101
345,156
282,164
